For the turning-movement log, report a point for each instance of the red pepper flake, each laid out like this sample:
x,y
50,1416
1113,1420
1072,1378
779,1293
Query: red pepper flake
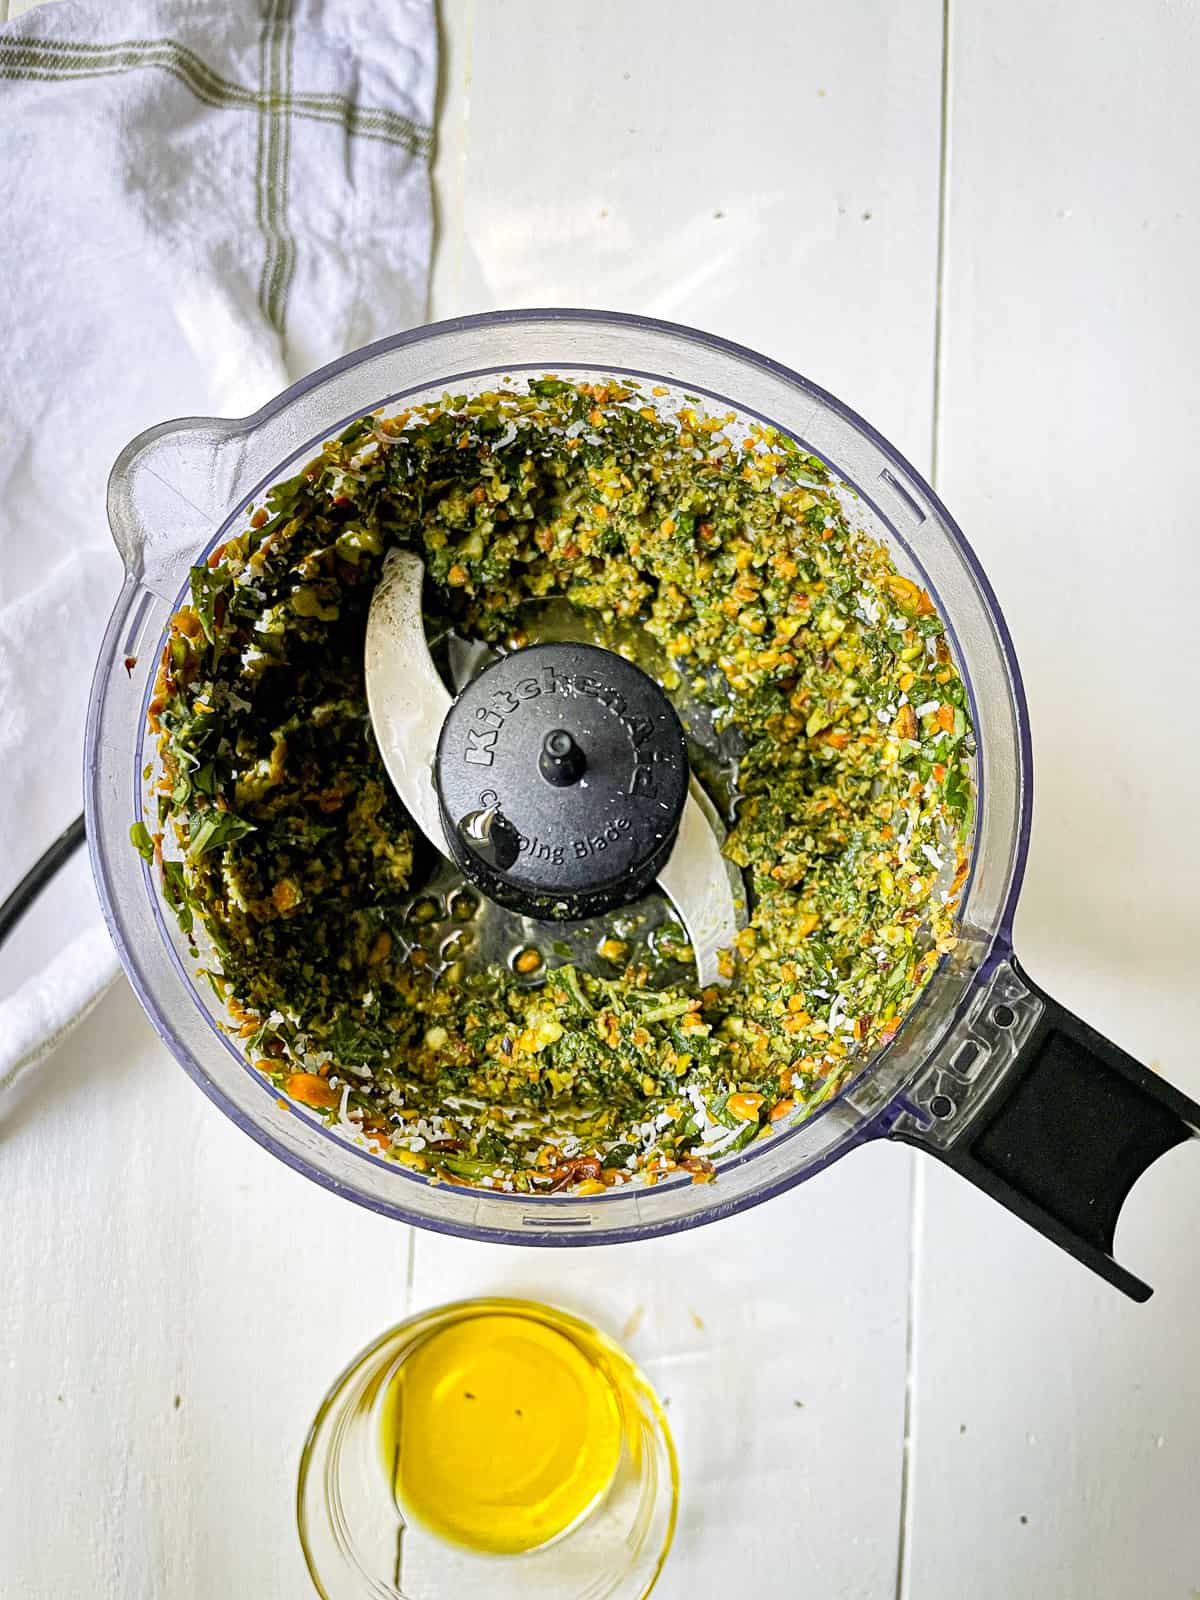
x,y
575,1172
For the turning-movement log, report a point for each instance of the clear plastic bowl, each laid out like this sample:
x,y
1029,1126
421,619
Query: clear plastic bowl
x,y
179,489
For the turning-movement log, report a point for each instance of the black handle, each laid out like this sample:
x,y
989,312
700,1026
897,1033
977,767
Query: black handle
x,y
1061,1133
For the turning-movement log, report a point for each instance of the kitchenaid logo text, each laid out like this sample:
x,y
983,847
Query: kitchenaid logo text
x,y
490,720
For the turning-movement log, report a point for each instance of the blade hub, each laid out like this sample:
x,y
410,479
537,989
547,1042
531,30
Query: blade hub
x,y
578,753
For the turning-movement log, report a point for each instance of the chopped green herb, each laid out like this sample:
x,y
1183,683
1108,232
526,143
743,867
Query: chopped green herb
x,y
289,856
213,830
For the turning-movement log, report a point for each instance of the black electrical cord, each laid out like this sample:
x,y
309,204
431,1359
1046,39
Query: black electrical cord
x,y
38,876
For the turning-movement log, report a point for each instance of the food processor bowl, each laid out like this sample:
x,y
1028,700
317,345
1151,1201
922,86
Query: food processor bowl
x,y
987,1072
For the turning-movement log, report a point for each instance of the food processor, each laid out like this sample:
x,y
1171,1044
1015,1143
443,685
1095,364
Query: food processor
x,y
987,1073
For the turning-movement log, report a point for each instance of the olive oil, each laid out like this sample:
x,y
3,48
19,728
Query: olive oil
x,y
501,1431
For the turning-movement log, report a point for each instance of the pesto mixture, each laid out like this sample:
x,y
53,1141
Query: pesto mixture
x,y
280,837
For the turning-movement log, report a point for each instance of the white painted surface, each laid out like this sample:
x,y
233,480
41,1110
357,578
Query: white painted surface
x,y
1071,341
152,1251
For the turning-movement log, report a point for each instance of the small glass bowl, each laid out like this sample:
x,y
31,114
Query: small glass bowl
x,y
359,1545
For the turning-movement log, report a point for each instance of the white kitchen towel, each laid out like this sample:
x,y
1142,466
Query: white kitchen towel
x,y
199,201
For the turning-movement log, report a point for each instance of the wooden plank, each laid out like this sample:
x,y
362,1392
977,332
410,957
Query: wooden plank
x,y
1071,336
776,1339
781,191
771,182
175,1304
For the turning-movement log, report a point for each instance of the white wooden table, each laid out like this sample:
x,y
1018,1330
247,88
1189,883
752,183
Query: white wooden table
x,y
987,239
